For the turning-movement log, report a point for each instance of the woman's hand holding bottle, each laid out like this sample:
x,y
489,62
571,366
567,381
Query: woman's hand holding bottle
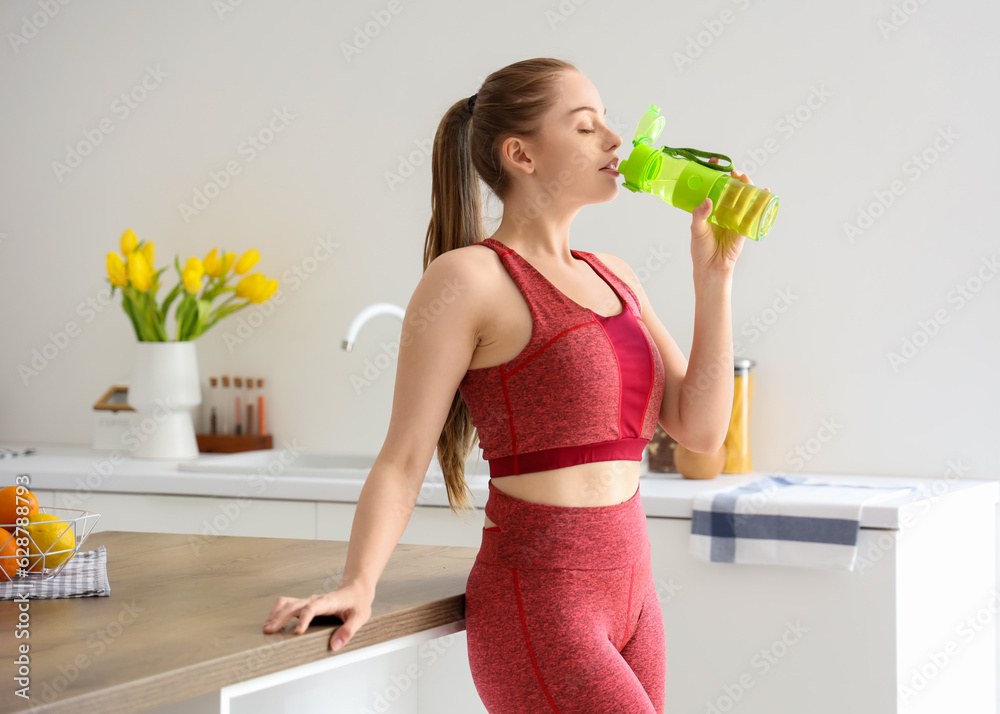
x,y
714,248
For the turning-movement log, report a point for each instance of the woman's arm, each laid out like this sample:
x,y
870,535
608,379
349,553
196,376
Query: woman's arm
x,y
705,401
440,332
698,396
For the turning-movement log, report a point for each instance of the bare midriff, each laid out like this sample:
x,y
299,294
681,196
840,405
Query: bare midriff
x,y
600,483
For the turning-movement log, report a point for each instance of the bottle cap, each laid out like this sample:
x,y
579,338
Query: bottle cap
x,y
237,381
741,364
213,381
650,125
225,380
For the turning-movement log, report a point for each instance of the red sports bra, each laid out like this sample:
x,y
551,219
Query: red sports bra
x,y
586,387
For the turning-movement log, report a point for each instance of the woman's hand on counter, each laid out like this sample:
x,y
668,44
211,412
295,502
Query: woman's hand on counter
x,y
350,604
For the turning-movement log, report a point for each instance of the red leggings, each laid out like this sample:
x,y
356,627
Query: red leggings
x,y
561,611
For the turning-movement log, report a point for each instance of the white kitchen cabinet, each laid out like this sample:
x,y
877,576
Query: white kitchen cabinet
x,y
333,521
424,673
197,515
160,513
889,637
428,525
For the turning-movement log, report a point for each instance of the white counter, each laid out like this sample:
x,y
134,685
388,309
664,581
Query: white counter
x,y
84,470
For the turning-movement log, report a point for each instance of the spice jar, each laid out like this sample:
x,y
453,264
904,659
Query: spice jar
x,y
737,442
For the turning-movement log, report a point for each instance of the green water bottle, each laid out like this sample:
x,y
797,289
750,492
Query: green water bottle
x,y
685,178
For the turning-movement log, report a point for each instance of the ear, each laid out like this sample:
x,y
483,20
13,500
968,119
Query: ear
x,y
517,155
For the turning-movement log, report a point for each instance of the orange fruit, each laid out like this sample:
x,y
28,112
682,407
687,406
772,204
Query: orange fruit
x,y
10,502
8,554
697,465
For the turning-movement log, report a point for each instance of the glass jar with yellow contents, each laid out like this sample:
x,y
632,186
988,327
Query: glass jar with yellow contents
x,y
738,438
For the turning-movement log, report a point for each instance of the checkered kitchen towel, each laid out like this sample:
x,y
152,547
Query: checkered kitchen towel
x,y
84,576
782,520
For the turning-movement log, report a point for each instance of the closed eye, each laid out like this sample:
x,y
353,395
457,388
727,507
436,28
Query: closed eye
x,y
587,131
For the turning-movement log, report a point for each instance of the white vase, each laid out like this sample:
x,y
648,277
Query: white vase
x,y
164,391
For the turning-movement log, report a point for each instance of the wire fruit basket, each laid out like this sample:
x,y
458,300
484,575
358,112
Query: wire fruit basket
x,y
22,558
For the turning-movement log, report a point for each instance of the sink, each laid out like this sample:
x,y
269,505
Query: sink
x,y
281,462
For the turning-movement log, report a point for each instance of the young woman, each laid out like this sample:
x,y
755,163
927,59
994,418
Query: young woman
x,y
555,359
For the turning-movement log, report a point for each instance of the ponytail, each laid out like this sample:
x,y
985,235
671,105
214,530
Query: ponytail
x,y
467,148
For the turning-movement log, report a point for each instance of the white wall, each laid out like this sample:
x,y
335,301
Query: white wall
x,y
888,92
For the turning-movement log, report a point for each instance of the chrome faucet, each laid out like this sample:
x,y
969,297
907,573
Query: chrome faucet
x,y
378,308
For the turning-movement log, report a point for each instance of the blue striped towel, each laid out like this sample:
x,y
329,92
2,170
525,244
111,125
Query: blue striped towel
x,y
782,520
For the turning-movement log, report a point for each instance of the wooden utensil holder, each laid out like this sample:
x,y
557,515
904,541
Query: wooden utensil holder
x,y
232,443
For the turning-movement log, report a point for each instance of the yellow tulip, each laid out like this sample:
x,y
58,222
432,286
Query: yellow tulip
x,y
266,291
139,272
148,251
192,280
194,265
256,288
227,262
116,270
250,285
128,241
247,261
213,267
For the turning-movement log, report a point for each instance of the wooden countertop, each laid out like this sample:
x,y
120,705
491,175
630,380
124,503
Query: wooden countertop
x,y
185,615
